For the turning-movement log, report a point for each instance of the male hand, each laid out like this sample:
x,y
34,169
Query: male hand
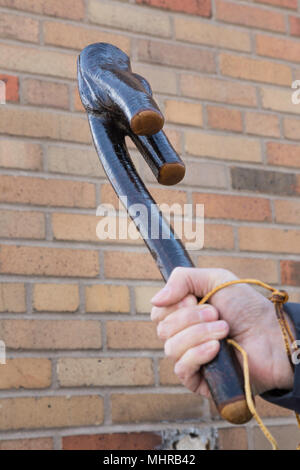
x,y
192,332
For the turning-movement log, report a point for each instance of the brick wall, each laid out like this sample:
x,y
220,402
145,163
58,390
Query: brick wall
x,y
84,366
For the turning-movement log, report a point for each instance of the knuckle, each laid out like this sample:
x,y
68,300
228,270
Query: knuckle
x,y
162,330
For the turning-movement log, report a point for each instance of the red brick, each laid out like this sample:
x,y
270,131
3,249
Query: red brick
x,y
293,4
72,9
11,87
46,192
44,261
283,154
250,16
267,239
117,441
234,207
290,272
192,7
294,25
177,55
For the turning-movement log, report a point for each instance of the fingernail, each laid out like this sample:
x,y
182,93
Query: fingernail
x,y
161,295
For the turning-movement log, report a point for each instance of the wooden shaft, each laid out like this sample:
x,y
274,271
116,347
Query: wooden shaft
x,y
109,128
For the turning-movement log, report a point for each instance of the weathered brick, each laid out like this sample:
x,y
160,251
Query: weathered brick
x,y
107,371
280,3
107,298
166,372
284,154
183,112
193,7
74,161
225,206
260,268
44,125
50,412
116,441
12,298
161,80
294,23
39,443
56,297
11,87
39,61
287,212
256,70
269,240
155,407
44,261
44,93
290,272
213,89
19,27
132,335
21,155
46,192
129,18
271,182
78,37
287,437
291,129
177,55
262,124
51,334
278,48
250,16
232,439
222,118
225,147
72,9
26,372
211,35
129,265
143,295
17,224
278,100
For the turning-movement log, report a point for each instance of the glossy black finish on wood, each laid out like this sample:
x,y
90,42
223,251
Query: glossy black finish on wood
x,y
109,91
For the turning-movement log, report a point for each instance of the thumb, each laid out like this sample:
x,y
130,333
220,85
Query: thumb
x,y
184,281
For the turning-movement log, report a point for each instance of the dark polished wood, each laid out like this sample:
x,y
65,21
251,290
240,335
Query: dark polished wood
x,y
113,96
